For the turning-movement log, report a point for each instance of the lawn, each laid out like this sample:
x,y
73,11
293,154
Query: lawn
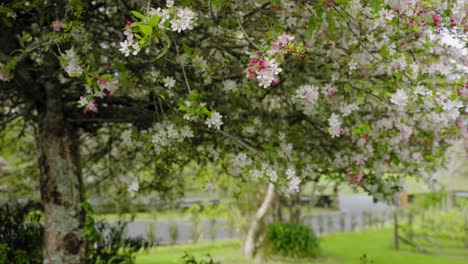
x,y
340,248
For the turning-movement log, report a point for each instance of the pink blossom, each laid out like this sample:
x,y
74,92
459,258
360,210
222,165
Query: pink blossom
x,y
209,187
4,77
436,19
105,84
57,25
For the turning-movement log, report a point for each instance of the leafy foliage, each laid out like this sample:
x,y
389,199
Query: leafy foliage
x,y
292,240
190,259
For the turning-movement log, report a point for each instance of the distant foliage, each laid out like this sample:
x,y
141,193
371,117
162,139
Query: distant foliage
x,y
429,200
292,240
173,233
107,243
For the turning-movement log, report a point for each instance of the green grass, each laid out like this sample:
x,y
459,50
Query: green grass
x,y
342,248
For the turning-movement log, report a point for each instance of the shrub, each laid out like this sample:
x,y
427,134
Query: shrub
x,y
195,218
190,259
21,232
21,237
173,233
107,243
291,240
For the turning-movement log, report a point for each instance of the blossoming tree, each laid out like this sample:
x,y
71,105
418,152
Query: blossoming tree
x,y
363,92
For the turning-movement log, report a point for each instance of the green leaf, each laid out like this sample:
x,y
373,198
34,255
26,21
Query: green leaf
x,y
310,29
398,76
217,3
187,49
146,29
360,100
384,52
331,27
138,15
154,21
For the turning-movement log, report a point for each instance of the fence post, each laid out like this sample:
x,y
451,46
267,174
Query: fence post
x,y
395,220
466,227
410,226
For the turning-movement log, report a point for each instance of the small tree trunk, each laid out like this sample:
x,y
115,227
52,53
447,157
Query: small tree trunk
x,y
278,214
297,208
61,185
257,225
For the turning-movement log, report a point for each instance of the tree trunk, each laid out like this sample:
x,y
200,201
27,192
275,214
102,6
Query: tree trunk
x,y
296,208
61,185
257,225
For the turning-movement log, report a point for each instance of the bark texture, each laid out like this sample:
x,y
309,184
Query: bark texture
x,y
61,185
258,223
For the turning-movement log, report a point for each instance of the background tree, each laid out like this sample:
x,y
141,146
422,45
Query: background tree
x,y
358,91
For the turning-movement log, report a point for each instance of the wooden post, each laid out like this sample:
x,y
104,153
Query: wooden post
x,y
410,226
395,227
343,221
466,228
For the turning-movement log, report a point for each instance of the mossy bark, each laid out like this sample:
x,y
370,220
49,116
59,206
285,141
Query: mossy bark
x,y
61,185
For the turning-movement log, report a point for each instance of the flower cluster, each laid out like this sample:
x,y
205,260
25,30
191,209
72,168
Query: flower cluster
x,y
239,162
266,67
266,71
159,20
129,45
215,120
89,105
307,97
4,73
105,84
179,18
108,84
294,181
183,20
335,125
229,86
72,63
133,187
57,26
167,134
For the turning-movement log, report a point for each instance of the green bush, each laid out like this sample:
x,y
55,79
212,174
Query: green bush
x,y
21,232
21,237
292,240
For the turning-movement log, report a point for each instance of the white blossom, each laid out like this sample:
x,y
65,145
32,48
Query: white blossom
x,y
215,120
72,66
169,82
241,160
335,125
229,86
272,175
133,187
400,98
347,109
294,181
184,20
